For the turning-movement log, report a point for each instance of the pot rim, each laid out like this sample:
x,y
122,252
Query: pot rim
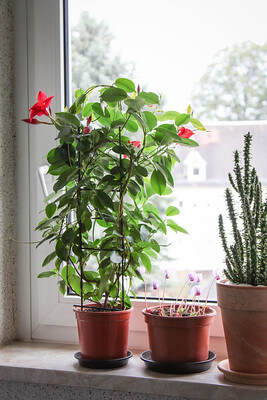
x,y
242,286
77,309
211,314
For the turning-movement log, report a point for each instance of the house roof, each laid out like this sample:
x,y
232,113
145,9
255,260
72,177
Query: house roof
x,y
217,145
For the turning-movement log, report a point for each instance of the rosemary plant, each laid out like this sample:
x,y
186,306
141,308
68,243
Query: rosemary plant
x,y
246,257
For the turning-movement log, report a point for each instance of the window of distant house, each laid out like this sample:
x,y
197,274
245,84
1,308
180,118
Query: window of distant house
x,y
211,55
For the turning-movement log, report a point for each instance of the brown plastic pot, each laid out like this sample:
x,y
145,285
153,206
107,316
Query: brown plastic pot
x,y
244,316
179,339
103,335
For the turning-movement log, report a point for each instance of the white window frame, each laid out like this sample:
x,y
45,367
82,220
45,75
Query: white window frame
x,y
43,313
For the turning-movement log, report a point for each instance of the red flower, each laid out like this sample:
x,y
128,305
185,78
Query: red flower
x,y
89,120
136,143
86,129
40,108
33,121
185,133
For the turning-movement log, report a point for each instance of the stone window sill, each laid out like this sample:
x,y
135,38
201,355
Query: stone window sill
x,y
54,364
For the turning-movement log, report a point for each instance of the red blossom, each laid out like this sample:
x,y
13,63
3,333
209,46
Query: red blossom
x,y
185,133
40,108
136,143
138,89
89,120
86,130
33,121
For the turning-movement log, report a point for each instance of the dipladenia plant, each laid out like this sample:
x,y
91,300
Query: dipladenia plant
x,y
112,156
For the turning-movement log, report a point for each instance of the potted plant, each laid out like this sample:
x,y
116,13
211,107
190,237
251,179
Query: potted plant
x,y
179,332
242,297
111,156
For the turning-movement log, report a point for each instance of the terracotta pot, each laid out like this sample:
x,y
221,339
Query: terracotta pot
x,y
179,339
103,335
244,316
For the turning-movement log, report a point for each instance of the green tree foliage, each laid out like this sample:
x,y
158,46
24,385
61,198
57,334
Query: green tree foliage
x,y
234,87
92,58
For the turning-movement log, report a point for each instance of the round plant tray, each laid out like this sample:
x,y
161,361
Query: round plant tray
x,y
177,368
103,364
241,377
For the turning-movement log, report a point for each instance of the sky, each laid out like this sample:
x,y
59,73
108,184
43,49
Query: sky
x,y
171,42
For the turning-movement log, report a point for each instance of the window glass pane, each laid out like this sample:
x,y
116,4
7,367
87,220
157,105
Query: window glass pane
x,y
210,54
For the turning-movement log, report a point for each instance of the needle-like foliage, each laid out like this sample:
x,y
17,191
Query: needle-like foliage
x,y
246,256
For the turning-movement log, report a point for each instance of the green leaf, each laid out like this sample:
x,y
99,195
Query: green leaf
x,y
126,84
61,250
120,150
104,199
135,104
155,246
64,118
75,283
166,173
103,284
146,262
172,224
171,211
50,209
170,131
197,124
96,107
57,156
113,94
150,119
149,97
168,116
182,119
133,188
90,275
150,208
87,111
46,274
81,99
150,253
139,170
189,142
49,258
158,182
118,123
62,287
67,237
131,126
78,93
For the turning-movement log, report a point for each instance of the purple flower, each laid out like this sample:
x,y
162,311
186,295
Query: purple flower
x,y
192,276
141,271
167,274
155,285
198,277
197,290
217,274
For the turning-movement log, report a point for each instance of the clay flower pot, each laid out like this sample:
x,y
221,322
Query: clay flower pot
x,y
244,316
103,335
179,339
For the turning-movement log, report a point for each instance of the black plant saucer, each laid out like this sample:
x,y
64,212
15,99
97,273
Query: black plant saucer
x,y
103,364
177,368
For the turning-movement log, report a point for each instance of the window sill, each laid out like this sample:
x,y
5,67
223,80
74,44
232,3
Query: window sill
x,y
54,364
